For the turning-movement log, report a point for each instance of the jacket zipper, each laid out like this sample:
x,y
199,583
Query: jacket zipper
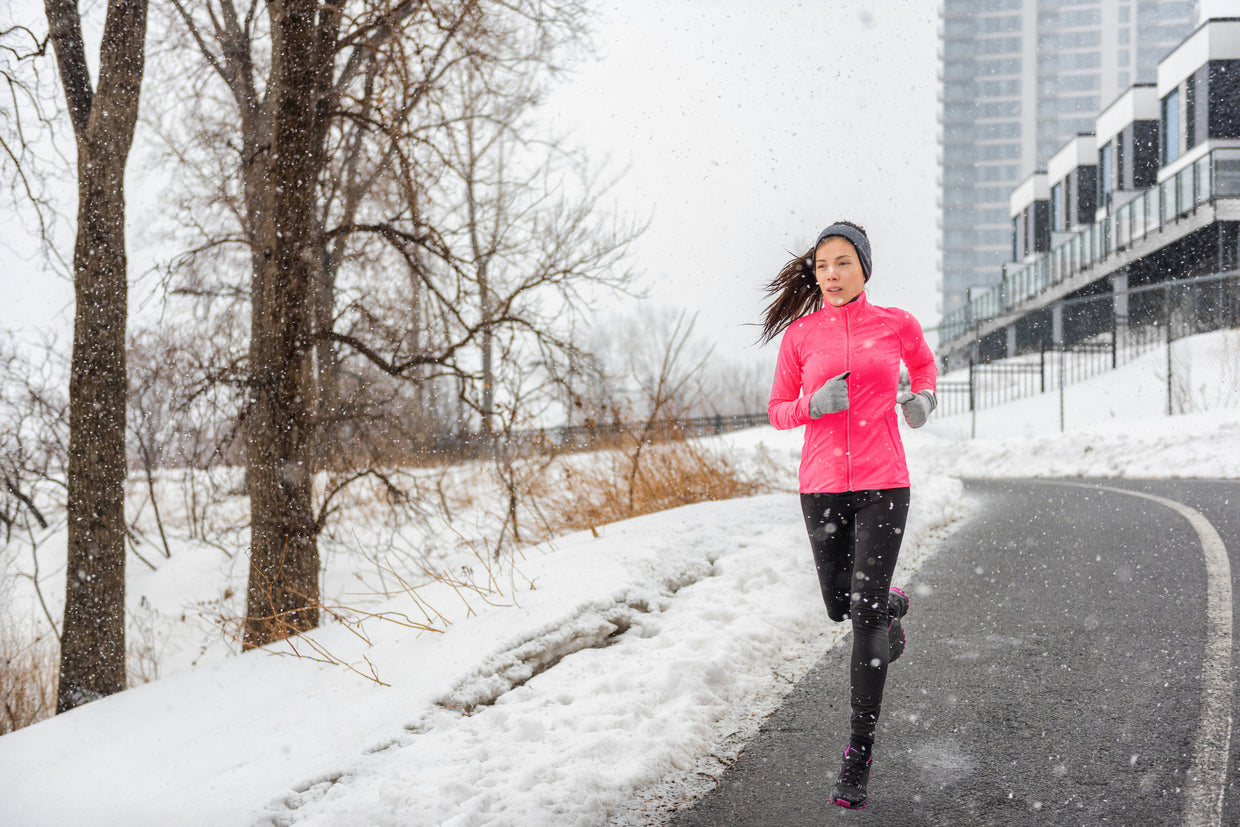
x,y
848,418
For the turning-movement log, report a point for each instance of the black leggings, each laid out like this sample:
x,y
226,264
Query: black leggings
x,y
855,537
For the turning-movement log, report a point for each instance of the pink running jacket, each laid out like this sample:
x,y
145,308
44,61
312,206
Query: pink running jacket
x,y
859,448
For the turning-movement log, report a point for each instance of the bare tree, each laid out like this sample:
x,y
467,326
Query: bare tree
x,y
335,143
734,386
668,384
283,588
287,113
92,659
651,366
536,243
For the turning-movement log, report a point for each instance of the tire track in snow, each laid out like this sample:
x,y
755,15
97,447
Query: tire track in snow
x,y
594,625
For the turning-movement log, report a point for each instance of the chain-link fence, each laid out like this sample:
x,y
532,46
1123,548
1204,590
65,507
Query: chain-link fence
x,y
1175,350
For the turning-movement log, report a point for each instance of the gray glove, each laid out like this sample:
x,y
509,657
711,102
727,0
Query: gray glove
x,y
917,407
832,397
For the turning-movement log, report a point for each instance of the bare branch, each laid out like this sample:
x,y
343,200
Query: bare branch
x,y
65,31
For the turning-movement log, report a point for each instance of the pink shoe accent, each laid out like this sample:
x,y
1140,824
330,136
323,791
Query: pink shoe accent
x,y
856,777
839,802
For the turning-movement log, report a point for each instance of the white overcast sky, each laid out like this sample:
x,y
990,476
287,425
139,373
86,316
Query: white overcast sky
x,y
743,127
747,127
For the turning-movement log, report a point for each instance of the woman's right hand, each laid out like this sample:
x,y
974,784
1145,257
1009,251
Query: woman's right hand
x,y
832,397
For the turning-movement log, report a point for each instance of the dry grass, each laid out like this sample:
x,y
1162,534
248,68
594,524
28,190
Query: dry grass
x,y
27,681
662,476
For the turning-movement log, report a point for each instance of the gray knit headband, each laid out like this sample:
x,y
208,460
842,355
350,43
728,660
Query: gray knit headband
x,y
855,237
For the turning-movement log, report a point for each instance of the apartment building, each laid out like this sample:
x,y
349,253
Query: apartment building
x,y
1137,219
1019,78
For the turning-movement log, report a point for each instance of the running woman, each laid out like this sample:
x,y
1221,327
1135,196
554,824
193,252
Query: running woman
x,y
837,375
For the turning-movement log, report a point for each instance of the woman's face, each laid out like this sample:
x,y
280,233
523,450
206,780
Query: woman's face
x,y
838,270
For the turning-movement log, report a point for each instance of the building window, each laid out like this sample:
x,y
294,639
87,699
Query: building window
x,y
1175,11
993,130
999,67
998,88
1106,174
1190,113
999,23
1169,126
1120,179
1079,83
998,46
1223,93
1057,210
1083,17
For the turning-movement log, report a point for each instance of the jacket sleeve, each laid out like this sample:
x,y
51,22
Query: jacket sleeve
x,y
923,372
787,408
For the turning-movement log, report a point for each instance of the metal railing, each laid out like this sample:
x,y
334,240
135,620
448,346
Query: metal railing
x,y
587,437
1163,314
582,437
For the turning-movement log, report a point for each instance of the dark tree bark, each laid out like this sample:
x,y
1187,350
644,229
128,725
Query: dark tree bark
x,y
92,659
283,591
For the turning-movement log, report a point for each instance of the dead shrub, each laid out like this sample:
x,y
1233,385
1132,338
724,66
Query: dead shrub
x,y
27,680
665,475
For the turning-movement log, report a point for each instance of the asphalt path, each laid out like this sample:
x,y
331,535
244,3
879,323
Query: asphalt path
x,y
1069,662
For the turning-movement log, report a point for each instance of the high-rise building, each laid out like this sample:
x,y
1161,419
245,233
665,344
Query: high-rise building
x,y
1020,79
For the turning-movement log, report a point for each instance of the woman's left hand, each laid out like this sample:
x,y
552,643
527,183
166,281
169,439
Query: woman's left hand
x,y
917,407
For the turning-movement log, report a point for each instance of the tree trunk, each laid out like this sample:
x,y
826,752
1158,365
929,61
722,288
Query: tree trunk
x,y
92,656
482,259
487,345
283,592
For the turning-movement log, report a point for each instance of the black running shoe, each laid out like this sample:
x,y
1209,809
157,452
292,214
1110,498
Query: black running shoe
x,y
854,776
897,607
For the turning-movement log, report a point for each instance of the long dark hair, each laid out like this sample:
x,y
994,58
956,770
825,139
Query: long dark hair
x,y
795,292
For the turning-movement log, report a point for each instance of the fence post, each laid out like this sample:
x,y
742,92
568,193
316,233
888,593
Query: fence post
x,y
1167,306
972,404
1062,423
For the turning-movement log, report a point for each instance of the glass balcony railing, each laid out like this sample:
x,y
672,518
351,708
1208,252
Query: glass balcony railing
x,y
1214,175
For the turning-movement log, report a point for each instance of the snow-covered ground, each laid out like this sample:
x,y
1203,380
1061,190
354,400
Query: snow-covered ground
x,y
603,680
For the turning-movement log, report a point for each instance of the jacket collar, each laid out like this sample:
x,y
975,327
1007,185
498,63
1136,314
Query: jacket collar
x,y
857,305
